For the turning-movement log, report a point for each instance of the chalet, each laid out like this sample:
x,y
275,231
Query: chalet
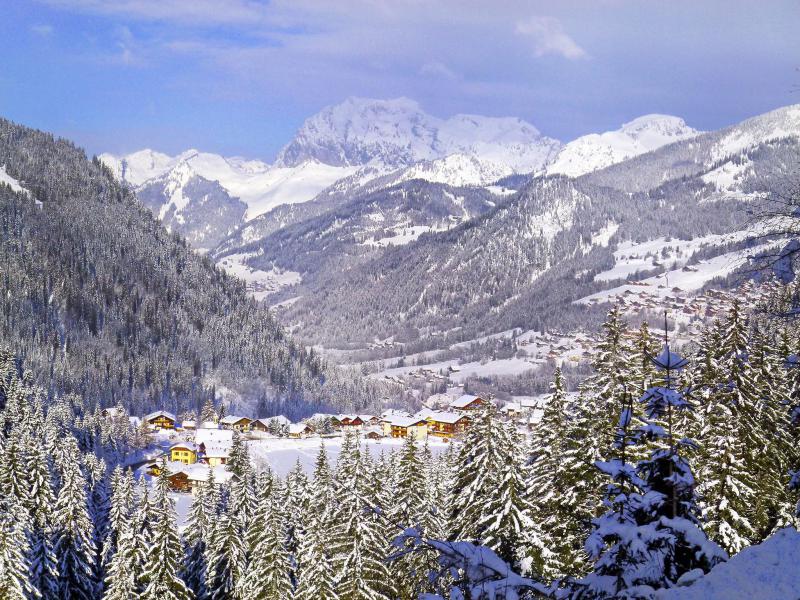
x,y
402,427
189,425
370,419
161,420
183,452
447,424
300,430
213,445
261,425
373,433
467,402
512,409
353,422
198,476
234,422
179,481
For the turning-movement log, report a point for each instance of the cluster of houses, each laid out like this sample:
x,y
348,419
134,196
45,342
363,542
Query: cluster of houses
x,y
208,444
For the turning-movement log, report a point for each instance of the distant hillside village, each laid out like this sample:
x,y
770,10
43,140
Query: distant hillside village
x,y
196,448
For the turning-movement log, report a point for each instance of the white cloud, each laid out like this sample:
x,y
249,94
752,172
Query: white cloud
x,y
43,30
438,70
549,37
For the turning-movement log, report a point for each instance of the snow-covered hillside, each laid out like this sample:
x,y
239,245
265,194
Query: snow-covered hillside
x,y
767,571
399,133
8,180
259,185
599,150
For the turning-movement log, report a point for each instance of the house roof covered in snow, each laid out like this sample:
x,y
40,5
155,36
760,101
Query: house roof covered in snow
x,y
213,436
188,445
200,473
232,419
405,421
446,417
159,413
296,428
464,401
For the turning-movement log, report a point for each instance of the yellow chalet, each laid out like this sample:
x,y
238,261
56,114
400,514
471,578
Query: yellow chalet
x,y
183,452
399,426
160,419
447,424
234,422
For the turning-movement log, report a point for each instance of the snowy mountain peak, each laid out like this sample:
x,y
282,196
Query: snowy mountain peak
x,y
596,151
398,133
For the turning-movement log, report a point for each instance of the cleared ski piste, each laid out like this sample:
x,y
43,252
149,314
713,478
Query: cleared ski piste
x,y
282,454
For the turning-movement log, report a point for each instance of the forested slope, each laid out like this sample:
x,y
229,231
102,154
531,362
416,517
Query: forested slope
x,y
100,299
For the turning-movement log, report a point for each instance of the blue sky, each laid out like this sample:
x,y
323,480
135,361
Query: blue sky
x,y
239,76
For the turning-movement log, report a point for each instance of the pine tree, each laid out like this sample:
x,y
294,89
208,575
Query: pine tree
x,y
548,489
226,559
409,508
356,546
14,566
74,547
649,537
199,525
315,575
267,577
43,566
164,556
122,582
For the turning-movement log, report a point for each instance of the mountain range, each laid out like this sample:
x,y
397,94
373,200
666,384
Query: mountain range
x,y
424,229
207,197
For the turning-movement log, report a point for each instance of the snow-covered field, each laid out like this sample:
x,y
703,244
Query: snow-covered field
x,y
259,283
282,454
10,181
631,257
403,235
688,279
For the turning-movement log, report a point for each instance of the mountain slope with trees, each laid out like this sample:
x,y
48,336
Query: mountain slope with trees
x,y
99,299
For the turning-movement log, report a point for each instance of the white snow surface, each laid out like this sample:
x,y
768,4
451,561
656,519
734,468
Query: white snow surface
x,y
689,280
259,185
599,150
282,454
11,182
398,132
630,257
768,571
259,283
458,170
781,123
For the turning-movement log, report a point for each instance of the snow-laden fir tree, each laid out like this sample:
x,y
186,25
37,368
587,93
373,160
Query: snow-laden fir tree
x,y
549,489
199,524
162,570
15,582
727,434
477,463
74,547
267,575
226,558
43,567
505,524
314,574
649,537
121,578
409,508
357,544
